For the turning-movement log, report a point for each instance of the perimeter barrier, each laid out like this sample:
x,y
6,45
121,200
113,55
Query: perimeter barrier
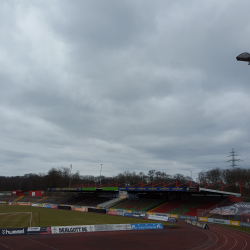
x,y
230,220
77,229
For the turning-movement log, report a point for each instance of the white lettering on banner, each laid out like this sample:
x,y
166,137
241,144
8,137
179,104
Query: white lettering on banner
x,y
72,229
33,229
118,227
226,222
6,231
155,217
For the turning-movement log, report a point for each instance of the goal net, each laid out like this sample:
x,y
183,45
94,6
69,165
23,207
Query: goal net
x,y
15,220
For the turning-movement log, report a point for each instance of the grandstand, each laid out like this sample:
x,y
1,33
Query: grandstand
x,y
138,205
164,199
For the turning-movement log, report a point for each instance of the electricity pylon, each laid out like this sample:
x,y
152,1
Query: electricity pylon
x,y
233,160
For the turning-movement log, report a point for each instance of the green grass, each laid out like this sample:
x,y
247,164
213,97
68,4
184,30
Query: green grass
x,y
243,229
57,217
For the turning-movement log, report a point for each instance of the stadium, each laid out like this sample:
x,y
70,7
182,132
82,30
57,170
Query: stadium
x,y
109,214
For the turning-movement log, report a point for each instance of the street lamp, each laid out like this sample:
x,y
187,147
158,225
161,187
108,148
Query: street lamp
x,y
100,176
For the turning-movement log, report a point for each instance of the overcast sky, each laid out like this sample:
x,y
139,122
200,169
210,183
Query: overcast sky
x,y
133,85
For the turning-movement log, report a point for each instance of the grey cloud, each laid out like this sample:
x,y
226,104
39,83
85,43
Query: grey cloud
x,y
133,85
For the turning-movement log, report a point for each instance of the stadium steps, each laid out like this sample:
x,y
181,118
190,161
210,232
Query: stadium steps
x,y
168,206
19,198
138,205
42,199
204,205
110,203
158,207
185,208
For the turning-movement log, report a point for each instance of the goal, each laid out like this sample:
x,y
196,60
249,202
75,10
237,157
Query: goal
x,y
15,220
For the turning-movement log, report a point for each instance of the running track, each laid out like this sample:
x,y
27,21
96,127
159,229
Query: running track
x,y
184,237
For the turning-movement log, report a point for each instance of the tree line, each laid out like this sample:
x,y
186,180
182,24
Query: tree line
x,y
62,177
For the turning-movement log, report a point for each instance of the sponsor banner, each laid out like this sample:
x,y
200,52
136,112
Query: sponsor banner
x,y
245,224
120,210
235,209
118,227
136,215
234,223
36,205
133,196
54,207
155,217
128,214
174,216
197,224
170,219
142,226
123,197
12,203
128,211
72,229
47,205
13,231
203,219
219,221
78,209
23,203
112,209
113,212
38,230
3,202
186,217
120,213
151,189
100,228
149,213
114,196
159,214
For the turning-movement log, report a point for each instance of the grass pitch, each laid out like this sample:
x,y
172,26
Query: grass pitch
x,y
56,217
242,229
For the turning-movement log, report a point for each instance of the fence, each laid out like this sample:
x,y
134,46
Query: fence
x,y
205,212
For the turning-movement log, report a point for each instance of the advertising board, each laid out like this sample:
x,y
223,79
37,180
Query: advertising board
x,y
219,221
174,216
203,219
100,228
155,217
118,227
13,231
245,224
78,209
128,214
46,205
38,230
120,213
113,212
186,217
234,223
151,189
197,224
72,229
23,203
142,226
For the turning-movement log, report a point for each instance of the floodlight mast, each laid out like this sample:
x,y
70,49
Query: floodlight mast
x,y
245,57
101,177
